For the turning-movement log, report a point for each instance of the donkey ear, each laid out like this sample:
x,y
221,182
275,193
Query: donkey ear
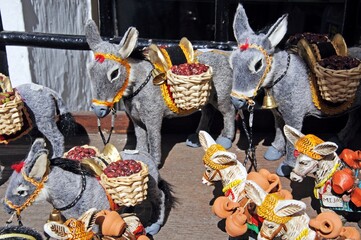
x,y
240,23
292,134
325,148
40,165
128,42
205,139
278,30
92,34
57,230
286,208
255,192
223,157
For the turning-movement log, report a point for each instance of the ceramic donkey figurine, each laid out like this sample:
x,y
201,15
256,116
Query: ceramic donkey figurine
x,y
115,74
283,218
320,158
258,64
222,165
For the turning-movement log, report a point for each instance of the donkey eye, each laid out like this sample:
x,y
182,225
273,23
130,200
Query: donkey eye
x,y
258,65
113,74
208,170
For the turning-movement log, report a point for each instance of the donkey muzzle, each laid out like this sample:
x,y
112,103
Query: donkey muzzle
x,y
237,102
100,110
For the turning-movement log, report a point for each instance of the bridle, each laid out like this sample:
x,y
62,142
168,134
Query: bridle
x,y
39,186
100,57
269,59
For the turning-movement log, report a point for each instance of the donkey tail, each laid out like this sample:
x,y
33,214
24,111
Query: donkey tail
x,y
170,200
66,124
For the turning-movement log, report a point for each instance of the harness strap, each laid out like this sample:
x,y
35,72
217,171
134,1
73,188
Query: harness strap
x,y
72,204
140,87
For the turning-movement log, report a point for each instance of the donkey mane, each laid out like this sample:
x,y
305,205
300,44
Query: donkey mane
x,y
72,166
138,54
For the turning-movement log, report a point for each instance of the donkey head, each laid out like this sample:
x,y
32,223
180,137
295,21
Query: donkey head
x,y
251,61
217,159
275,211
27,179
309,151
110,71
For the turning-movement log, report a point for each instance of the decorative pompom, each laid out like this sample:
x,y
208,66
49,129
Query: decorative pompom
x,y
244,46
17,166
99,58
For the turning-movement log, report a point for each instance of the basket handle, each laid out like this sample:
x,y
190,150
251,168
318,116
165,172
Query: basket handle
x,y
5,84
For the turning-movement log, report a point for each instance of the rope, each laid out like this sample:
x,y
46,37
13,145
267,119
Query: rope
x,y
111,128
140,87
251,151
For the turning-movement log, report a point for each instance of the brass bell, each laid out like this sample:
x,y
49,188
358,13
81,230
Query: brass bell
x,y
56,216
268,101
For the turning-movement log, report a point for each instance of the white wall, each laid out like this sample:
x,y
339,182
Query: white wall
x,y
62,70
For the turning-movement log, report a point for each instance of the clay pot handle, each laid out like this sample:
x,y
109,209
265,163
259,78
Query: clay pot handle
x,y
349,157
224,207
274,182
350,233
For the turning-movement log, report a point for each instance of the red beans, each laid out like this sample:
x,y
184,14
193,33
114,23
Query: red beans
x,y
122,168
79,153
188,69
339,62
6,97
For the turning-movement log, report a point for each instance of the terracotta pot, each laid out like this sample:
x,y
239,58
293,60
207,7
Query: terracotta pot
x,y
275,183
259,179
236,224
143,237
350,157
327,225
224,207
111,223
342,181
356,197
350,233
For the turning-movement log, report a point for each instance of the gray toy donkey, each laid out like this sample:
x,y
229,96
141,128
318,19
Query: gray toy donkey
x,y
72,189
144,103
258,64
44,107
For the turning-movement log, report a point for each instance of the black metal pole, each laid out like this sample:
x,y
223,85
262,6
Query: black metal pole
x,y
78,42
221,20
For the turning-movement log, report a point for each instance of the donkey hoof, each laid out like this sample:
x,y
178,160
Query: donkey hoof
x,y
284,170
225,142
272,154
193,141
153,229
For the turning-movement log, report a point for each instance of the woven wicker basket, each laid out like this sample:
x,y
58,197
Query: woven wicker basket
x,y
337,85
190,92
11,115
130,190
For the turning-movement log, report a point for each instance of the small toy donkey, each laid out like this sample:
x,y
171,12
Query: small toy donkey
x,y
116,75
258,64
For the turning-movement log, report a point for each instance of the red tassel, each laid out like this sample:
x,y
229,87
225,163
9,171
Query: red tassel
x,y
99,58
244,46
17,166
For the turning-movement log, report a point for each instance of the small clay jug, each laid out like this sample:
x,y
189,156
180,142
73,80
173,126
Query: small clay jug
x,y
327,225
356,197
350,157
236,224
259,179
350,233
224,207
111,223
342,180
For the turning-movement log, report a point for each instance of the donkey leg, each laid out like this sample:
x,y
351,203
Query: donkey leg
x,y
207,114
277,148
154,126
48,128
141,137
226,137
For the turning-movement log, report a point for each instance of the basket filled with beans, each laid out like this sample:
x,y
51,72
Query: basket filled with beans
x,y
11,106
126,181
81,152
190,84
